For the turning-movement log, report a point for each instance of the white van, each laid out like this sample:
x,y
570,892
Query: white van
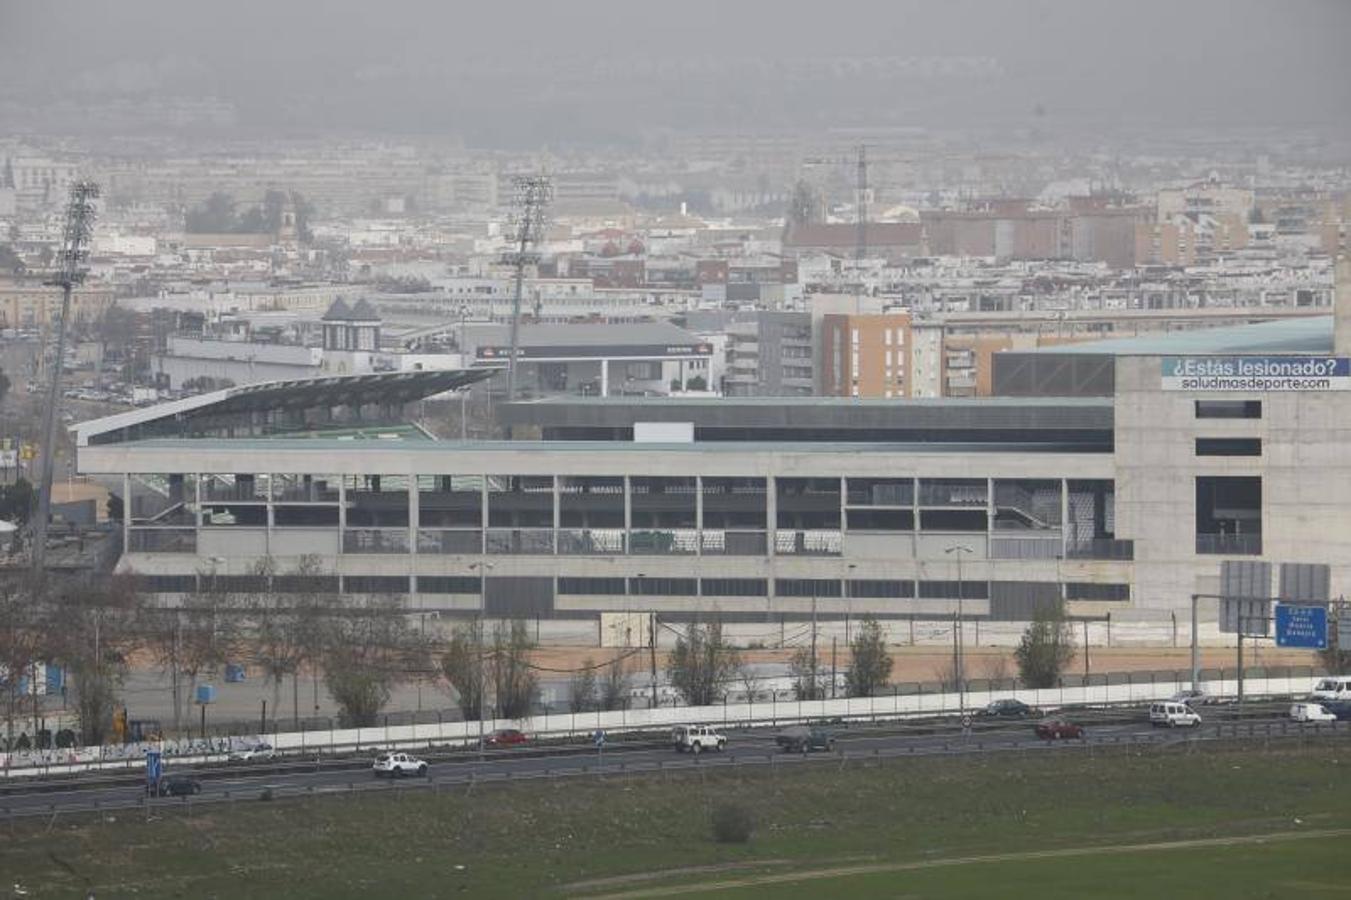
x,y
1172,714
1310,712
1337,687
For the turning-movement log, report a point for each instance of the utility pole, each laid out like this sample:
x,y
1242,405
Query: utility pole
x,y
815,681
652,653
74,249
957,637
1085,650
1196,647
832,667
533,193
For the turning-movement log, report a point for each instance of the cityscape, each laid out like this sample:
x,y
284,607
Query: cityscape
x,y
520,449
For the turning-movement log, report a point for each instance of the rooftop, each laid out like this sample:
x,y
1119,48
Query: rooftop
x,y
1311,335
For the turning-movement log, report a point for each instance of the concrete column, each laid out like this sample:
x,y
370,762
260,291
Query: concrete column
x,y
605,378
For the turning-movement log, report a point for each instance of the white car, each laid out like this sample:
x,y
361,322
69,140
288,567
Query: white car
x,y
261,750
397,765
697,738
1310,712
1172,714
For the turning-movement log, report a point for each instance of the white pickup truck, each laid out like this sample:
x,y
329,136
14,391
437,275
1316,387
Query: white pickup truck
x,y
397,765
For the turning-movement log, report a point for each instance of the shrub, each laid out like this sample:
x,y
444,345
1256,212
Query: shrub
x,y
732,823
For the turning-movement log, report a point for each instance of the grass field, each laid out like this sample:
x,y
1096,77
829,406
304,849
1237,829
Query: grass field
x,y
1158,824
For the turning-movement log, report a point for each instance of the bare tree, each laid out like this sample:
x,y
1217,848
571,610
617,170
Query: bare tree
x,y
805,673
288,627
93,630
750,682
463,664
582,687
365,649
21,630
702,664
616,684
515,684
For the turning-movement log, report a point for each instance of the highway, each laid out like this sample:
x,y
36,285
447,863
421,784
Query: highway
x,y
222,783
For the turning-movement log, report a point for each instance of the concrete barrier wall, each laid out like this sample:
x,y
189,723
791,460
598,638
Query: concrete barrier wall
x,y
771,713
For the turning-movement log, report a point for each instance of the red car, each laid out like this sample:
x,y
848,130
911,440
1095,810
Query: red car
x,y
1059,729
506,737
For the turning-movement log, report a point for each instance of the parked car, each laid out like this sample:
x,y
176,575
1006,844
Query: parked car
x,y
397,765
1172,714
506,737
179,786
1192,698
1008,709
697,738
1059,729
801,739
1311,712
261,750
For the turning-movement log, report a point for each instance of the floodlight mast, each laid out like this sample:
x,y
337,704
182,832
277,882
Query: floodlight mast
x,y
533,193
80,214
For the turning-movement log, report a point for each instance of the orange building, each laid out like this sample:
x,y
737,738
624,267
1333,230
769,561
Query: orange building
x,y
866,355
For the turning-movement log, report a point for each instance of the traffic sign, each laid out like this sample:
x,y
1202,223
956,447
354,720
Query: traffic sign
x,y
1301,626
598,738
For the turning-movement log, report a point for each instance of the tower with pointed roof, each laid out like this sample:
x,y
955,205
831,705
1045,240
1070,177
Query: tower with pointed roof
x,y
351,336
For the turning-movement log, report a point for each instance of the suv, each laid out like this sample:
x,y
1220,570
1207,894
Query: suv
x,y
1172,714
697,738
397,765
178,786
801,739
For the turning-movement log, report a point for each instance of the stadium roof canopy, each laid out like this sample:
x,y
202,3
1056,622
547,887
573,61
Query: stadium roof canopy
x,y
281,404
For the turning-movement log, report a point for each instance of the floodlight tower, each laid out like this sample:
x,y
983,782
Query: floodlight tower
x,y
80,214
532,196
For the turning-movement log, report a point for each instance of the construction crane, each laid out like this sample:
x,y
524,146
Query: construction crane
x,y
860,187
79,227
532,196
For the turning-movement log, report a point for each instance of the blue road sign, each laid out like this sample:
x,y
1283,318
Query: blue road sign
x,y
1301,626
153,768
598,738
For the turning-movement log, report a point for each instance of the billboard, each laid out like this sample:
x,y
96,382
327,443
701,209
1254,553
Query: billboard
x,y
1301,626
1256,373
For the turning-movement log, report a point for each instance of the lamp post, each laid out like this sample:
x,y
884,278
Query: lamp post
x,y
957,663
483,567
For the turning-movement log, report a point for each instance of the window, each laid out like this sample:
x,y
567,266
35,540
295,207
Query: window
x,y
1229,515
953,520
949,590
375,584
1082,590
1231,446
377,501
305,516
881,520
591,586
734,587
448,584
1228,409
881,588
450,501
671,587
806,587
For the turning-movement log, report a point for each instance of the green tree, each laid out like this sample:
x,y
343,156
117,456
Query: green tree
x,y
216,215
702,664
1046,648
870,664
17,501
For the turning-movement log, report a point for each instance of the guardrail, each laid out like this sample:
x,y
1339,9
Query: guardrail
x,y
567,725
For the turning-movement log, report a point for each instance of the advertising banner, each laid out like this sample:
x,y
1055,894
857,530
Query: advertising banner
x,y
1256,373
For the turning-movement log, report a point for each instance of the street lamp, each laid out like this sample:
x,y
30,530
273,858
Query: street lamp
x,y
483,567
957,637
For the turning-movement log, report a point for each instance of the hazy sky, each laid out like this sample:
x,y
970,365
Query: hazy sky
x,y
542,67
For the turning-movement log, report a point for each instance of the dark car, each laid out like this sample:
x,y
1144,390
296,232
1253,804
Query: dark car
x,y
179,786
507,737
801,739
1059,729
1009,709
1339,708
